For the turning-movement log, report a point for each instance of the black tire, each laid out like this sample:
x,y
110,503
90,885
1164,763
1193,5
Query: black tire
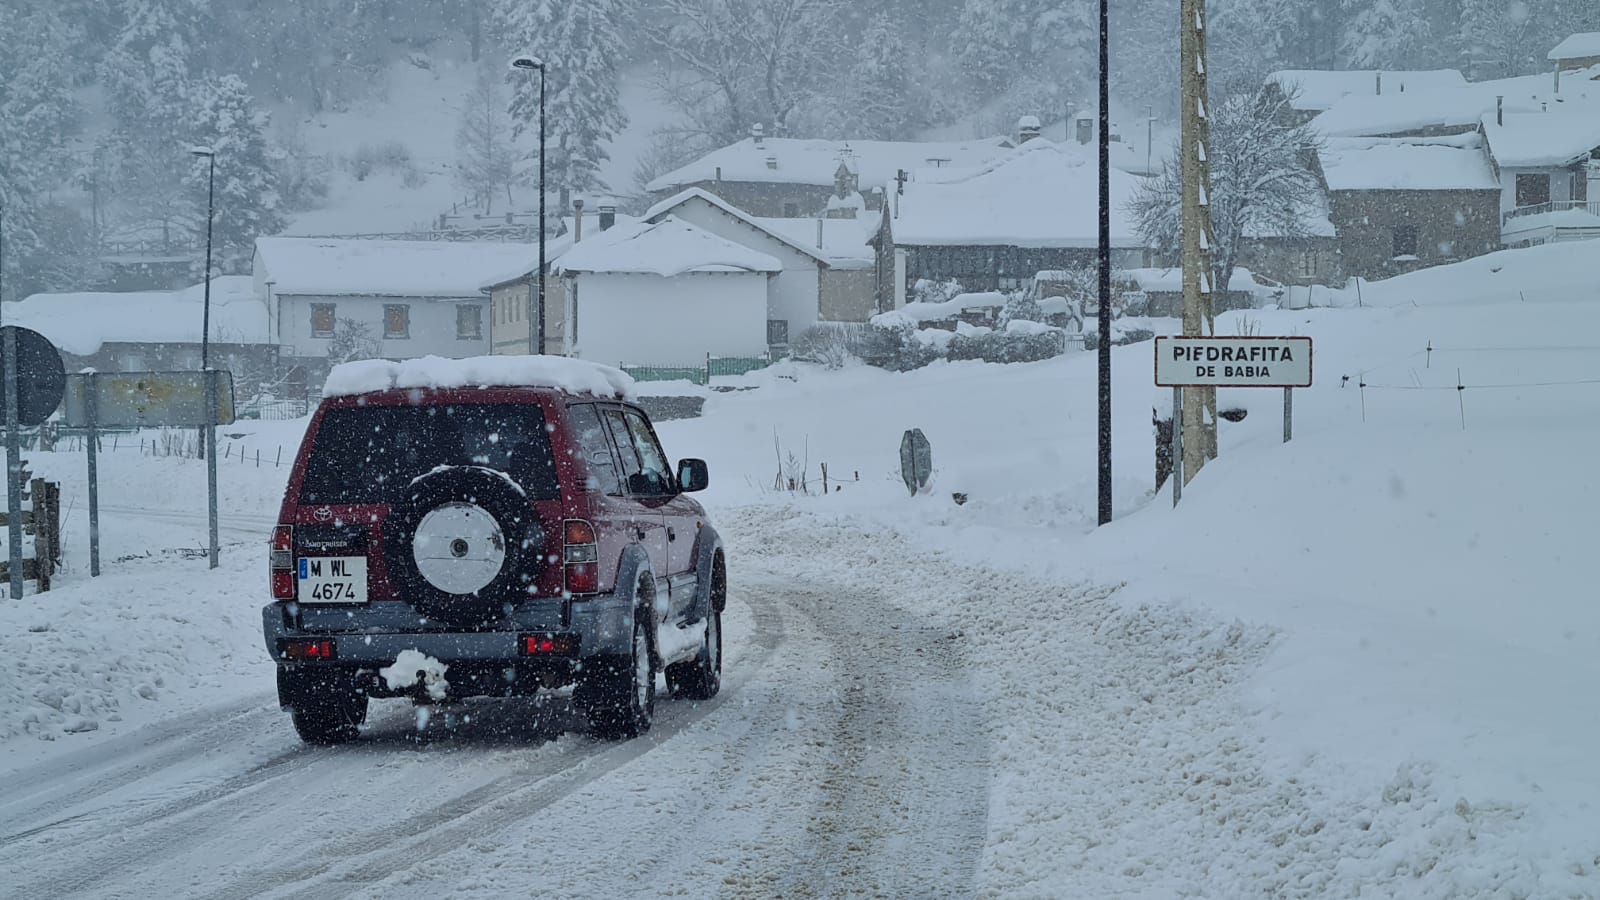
x,y
490,491
701,678
617,695
326,706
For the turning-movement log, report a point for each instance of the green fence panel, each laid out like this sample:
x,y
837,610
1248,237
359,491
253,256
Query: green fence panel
x,y
666,373
735,365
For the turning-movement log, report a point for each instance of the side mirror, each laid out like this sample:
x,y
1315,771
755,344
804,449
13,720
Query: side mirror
x,y
692,475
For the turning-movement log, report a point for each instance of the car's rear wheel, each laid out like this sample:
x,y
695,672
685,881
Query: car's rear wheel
x,y
617,695
701,678
326,709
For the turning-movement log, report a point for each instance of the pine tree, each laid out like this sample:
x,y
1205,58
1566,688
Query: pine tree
x,y
1388,34
226,120
37,111
580,43
882,98
488,162
1039,55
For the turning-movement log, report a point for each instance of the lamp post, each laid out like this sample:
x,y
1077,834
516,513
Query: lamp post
x,y
1105,265
536,338
208,431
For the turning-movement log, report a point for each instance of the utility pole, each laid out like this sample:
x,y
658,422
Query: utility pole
x,y
1199,316
1105,267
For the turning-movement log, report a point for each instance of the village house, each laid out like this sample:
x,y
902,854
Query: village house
x,y
665,293
1549,165
1311,92
793,178
151,331
827,267
994,227
404,299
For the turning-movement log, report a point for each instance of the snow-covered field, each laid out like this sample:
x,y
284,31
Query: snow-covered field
x,y
1359,664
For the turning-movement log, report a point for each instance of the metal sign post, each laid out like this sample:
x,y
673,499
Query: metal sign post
x,y
94,478
149,400
1213,362
13,464
211,460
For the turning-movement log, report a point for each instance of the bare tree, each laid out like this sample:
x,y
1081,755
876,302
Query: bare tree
x,y
1261,182
352,339
730,64
488,162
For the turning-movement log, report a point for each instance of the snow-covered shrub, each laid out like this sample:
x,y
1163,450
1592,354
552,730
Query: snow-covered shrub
x,y
893,342
927,291
1021,306
1016,343
1119,336
831,344
370,158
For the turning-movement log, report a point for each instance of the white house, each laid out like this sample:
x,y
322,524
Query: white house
x,y
665,293
816,283
1313,91
1549,164
413,298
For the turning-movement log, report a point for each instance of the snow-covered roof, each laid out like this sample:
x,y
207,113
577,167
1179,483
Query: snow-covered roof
x,y
1041,194
1407,164
524,269
1577,46
1319,90
844,241
688,195
79,323
574,375
666,248
338,267
1554,138
815,162
1456,108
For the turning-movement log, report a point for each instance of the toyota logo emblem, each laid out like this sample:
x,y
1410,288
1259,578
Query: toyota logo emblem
x,y
323,513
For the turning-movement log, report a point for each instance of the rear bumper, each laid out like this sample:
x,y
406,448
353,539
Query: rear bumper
x,y
376,633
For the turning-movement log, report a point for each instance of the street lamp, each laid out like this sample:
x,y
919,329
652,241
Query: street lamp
x,y
536,339
208,432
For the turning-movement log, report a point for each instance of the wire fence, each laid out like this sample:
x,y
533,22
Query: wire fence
x,y
1521,368
714,367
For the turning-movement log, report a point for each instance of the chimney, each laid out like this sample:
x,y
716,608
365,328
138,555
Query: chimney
x,y
758,134
1028,128
719,173
1500,110
608,216
577,216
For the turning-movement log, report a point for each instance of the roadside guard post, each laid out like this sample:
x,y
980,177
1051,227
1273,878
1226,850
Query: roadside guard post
x,y
1235,362
146,400
34,379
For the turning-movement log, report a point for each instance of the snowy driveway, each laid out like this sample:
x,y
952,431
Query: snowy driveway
x,y
846,754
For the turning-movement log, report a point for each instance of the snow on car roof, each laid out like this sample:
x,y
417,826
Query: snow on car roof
x,y
436,372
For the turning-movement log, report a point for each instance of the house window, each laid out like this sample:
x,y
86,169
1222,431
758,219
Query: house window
x,y
1405,240
396,321
1308,264
322,318
469,323
777,332
1533,190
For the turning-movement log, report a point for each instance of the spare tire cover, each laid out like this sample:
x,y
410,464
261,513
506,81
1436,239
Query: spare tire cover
x,y
463,545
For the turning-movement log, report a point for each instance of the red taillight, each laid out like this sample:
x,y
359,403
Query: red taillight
x,y
581,553
549,645
281,563
308,649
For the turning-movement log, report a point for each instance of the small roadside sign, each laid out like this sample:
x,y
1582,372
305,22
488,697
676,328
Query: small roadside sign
x,y
147,399
1282,362
916,460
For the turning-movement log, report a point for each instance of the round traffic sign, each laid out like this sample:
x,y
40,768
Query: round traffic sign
x,y
41,377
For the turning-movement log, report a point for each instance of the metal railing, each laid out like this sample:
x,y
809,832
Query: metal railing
x,y
1592,207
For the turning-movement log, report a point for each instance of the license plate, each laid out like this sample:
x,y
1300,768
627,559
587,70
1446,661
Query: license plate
x,y
333,579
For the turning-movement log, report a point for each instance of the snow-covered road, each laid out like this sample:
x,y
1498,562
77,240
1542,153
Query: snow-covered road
x,y
845,755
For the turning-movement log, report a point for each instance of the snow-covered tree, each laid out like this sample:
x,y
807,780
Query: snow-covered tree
x,y
733,64
882,97
352,340
227,120
37,112
1394,34
1260,182
1041,54
581,43
488,163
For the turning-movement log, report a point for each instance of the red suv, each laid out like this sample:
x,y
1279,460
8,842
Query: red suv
x,y
522,532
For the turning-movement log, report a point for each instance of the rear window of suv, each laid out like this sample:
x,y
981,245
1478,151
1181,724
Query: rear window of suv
x,y
371,454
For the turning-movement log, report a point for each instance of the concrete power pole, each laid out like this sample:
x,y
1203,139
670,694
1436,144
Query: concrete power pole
x,y
1199,317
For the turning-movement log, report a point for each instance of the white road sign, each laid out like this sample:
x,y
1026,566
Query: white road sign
x,y
1233,362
